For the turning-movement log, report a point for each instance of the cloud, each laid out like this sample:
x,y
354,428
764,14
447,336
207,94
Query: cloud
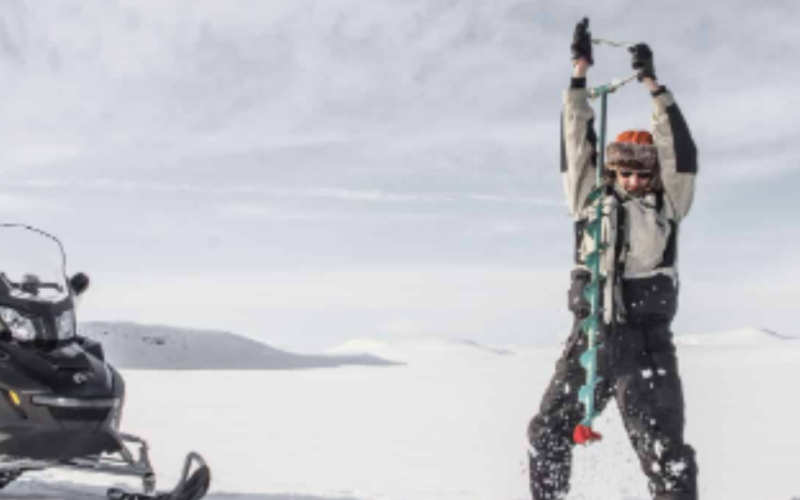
x,y
509,228
254,211
333,113
117,185
16,156
13,203
763,161
546,202
266,211
372,195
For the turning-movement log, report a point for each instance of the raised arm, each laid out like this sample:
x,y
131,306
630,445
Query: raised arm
x,y
677,153
578,139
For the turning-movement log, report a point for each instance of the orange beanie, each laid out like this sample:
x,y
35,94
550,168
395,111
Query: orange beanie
x,y
633,149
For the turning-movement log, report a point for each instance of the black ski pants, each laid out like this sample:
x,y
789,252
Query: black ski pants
x,y
640,370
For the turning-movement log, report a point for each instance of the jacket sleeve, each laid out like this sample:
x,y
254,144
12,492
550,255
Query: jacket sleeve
x,y
578,148
677,153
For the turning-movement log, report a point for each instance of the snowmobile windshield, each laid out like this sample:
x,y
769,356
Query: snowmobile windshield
x,y
35,297
32,264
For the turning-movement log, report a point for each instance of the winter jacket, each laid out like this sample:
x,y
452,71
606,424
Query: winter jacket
x,y
641,231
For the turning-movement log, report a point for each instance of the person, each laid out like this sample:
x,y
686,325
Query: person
x,y
650,179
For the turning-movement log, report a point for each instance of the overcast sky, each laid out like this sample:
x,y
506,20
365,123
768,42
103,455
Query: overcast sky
x,y
310,171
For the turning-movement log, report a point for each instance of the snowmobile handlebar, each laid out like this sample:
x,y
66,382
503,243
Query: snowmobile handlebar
x,y
33,287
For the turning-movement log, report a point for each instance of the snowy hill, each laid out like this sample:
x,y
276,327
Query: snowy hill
x,y
415,350
150,347
433,349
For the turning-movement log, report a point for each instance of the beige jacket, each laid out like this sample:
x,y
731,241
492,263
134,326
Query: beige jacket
x,y
647,226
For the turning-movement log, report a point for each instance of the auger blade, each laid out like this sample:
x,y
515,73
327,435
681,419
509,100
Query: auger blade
x,y
589,358
595,195
593,227
586,394
593,259
592,290
589,324
595,255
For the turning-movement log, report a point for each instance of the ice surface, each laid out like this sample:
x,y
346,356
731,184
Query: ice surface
x,y
742,337
449,424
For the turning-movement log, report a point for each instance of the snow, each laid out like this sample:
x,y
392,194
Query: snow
x,y
448,424
420,349
743,337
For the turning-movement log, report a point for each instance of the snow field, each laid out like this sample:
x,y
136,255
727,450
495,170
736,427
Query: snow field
x,y
450,425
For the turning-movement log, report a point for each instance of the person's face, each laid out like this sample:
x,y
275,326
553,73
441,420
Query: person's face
x,y
635,182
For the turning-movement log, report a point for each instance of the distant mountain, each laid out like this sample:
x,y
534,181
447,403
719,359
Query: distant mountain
x,y
494,350
155,347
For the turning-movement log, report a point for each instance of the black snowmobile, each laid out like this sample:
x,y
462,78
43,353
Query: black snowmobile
x,y
60,401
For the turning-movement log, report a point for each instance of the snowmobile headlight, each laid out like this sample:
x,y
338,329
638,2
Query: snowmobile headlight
x,y
116,415
66,325
21,328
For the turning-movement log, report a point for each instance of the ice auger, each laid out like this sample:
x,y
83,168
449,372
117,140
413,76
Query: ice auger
x,y
591,325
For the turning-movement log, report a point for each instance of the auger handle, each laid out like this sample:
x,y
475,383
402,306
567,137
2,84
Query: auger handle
x,y
602,41
616,83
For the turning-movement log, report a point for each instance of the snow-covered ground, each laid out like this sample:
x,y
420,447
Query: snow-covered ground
x,y
450,425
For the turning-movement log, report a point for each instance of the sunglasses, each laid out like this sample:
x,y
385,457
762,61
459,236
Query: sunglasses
x,y
645,176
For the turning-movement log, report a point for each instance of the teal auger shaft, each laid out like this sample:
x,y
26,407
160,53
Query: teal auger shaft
x,y
591,325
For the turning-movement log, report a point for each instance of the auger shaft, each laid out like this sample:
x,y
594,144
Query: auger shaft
x,y
591,325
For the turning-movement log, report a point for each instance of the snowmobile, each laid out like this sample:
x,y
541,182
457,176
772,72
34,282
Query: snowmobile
x,y
61,401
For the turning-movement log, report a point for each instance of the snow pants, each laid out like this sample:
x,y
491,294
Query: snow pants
x,y
640,370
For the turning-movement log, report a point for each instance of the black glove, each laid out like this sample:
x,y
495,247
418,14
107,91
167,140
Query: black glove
x,y
643,61
582,42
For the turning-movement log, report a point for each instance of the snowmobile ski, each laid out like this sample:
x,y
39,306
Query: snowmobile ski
x,y
192,486
8,476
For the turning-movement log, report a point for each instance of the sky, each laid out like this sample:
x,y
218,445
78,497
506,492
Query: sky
x,y
306,172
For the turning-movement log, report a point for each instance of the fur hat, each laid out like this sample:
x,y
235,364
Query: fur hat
x,y
633,149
